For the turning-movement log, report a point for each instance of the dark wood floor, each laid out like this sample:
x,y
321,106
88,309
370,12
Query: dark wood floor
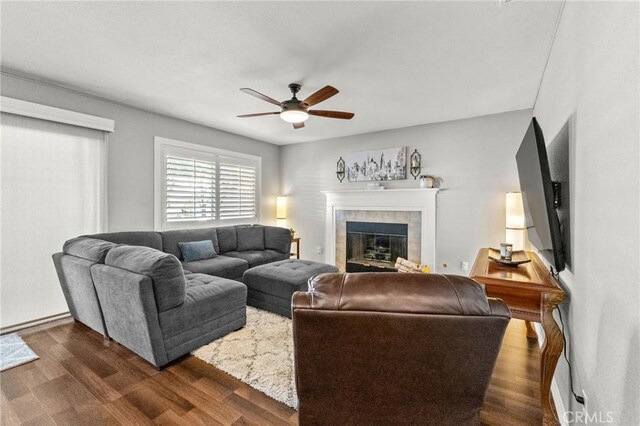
x,y
82,379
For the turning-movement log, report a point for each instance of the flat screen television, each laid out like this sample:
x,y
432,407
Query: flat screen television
x,y
543,227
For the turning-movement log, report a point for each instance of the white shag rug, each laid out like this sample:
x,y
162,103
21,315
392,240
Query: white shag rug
x,y
14,352
260,354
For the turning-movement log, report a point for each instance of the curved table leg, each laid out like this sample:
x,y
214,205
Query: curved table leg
x,y
531,332
553,345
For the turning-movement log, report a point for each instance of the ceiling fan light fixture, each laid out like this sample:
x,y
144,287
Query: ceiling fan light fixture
x,y
297,111
294,116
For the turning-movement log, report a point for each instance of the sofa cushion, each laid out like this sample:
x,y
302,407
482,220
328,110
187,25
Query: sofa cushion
x,y
207,299
132,238
258,257
164,270
197,250
170,239
278,239
220,266
227,239
250,237
88,248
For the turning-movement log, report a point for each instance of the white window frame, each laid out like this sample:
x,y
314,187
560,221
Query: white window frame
x,y
163,147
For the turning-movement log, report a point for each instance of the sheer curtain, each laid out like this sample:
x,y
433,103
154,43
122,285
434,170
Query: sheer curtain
x,y
52,188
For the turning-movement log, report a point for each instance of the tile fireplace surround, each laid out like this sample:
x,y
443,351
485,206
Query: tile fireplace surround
x,y
415,207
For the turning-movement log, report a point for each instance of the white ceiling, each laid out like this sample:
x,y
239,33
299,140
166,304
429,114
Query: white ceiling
x,y
396,64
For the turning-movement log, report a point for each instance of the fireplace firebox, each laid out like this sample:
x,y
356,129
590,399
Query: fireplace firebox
x,y
374,247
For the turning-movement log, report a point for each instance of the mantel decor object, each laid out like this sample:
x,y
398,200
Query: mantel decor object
x,y
375,186
427,181
340,169
416,164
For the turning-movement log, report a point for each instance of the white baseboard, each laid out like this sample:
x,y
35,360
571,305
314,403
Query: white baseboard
x,y
33,323
555,390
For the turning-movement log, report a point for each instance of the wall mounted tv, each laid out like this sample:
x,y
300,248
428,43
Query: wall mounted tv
x,y
543,227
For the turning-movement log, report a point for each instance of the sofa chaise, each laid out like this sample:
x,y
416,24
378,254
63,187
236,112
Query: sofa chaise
x,y
138,288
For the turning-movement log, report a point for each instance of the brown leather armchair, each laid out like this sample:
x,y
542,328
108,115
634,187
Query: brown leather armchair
x,y
390,348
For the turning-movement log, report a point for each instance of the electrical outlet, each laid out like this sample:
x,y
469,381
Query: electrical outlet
x,y
464,265
319,250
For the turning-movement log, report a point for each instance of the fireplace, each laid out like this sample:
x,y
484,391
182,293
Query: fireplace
x,y
416,207
374,247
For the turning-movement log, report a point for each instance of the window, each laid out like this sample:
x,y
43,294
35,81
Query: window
x,y
52,188
190,189
237,191
198,185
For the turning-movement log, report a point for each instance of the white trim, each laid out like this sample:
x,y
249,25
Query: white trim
x,y
403,199
59,115
32,323
160,145
555,390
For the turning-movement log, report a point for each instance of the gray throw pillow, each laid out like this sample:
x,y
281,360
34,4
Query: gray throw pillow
x,y
197,250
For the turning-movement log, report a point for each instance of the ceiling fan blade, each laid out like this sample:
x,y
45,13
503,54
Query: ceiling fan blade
x,y
258,114
298,125
332,114
321,95
259,95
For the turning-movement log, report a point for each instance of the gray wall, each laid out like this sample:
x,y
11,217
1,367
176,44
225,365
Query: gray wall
x,y
130,155
475,159
591,88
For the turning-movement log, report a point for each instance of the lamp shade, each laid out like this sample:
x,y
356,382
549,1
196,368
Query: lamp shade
x,y
281,207
515,221
515,211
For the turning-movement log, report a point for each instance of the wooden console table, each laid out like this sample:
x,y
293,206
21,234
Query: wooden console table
x,y
532,294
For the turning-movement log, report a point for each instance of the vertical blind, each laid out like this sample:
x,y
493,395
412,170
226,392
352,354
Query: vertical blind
x,y
206,187
52,189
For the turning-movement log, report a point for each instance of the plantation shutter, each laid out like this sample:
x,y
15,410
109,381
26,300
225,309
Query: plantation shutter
x,y
190,189
237,191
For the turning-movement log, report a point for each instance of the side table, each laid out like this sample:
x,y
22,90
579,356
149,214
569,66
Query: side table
x,y
532,294
296,241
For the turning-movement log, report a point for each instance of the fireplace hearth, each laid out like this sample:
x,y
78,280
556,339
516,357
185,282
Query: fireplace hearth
x,y
374,247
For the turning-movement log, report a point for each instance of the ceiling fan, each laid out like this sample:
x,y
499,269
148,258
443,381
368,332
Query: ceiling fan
x,y
296,111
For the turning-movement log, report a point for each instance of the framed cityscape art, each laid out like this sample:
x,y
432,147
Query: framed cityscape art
x,y
382,164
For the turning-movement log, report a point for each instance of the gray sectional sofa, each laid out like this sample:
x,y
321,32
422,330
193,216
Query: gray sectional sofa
x,y
137,288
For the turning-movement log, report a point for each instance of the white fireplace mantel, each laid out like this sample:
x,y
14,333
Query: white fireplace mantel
x,y
404,199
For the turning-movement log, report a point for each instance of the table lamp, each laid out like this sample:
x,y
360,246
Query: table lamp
x,y
515,221
281,211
